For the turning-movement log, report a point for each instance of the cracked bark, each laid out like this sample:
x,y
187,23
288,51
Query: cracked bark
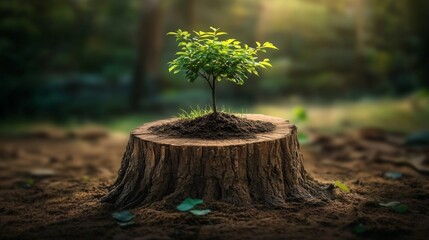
x,y
266,170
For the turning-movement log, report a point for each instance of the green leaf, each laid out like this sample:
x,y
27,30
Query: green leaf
x,y
197,212
389,204
126,224
123,216
85,178
360,228
266,64
229,41
172,33
393,175
188,204
28,183
172,68
395,206
399,208
343,187
258,44
269,45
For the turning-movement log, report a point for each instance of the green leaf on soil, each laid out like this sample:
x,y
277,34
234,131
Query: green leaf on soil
x,y
85,178
400,208
126,224
343,187
188,204
395,206
389,204
393,175
28,183
360,228
197,212
123,216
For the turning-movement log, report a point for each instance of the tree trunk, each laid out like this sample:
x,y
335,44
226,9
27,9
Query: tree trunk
x,y
149,41
266,170
214,96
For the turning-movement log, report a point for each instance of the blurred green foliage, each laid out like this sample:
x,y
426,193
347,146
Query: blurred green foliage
x,y
77,57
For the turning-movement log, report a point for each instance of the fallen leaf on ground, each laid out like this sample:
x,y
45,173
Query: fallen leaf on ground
x,y
342,186
395,206
85,178
42,172
126,224
123,216
389,204
197,212
28,183
188,204
393,175
400,208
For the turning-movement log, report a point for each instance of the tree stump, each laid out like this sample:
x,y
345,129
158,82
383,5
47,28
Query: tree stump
x,y
266,170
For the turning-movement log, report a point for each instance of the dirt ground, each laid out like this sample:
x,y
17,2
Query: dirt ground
x,y
51,183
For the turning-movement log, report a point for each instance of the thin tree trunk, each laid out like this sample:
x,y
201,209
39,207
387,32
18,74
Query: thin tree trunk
x,y
214,96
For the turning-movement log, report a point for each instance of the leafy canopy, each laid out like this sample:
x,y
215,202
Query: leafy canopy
x,y
204,54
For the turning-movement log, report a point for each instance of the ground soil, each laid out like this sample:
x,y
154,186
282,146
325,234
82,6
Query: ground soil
x,y
71,173
214,126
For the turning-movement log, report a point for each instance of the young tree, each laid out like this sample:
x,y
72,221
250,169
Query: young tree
x,y
205,55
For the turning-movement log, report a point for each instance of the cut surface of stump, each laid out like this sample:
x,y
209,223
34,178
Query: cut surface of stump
x,y
265,170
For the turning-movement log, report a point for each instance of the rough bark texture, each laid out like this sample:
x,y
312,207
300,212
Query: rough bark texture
x,y
265,170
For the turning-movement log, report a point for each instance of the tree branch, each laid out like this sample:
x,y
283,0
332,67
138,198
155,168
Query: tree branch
x,y
206,78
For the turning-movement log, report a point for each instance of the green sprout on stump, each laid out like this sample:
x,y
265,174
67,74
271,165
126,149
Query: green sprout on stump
x,y
204,55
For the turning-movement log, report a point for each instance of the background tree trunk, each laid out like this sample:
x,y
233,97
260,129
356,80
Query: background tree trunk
x,y
265,170
146,72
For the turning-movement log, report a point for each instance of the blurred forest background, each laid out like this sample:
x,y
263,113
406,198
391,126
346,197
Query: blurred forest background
x,y
106,60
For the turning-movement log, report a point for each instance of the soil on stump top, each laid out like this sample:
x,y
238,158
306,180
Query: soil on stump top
x,y
214,126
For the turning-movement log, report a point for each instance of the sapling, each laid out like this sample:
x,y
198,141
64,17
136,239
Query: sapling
x,y
205,55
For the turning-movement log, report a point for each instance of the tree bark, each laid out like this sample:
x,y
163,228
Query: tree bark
x,y
265,170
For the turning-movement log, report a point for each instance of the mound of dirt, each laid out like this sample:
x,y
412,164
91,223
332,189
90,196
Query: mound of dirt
x,y
213,126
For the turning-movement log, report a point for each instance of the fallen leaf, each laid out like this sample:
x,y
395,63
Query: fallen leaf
x,y
42,172
393,175
188,204
400,208
123,216
197,212
395,206
343,187
389,204
126,224
28,183
85,178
